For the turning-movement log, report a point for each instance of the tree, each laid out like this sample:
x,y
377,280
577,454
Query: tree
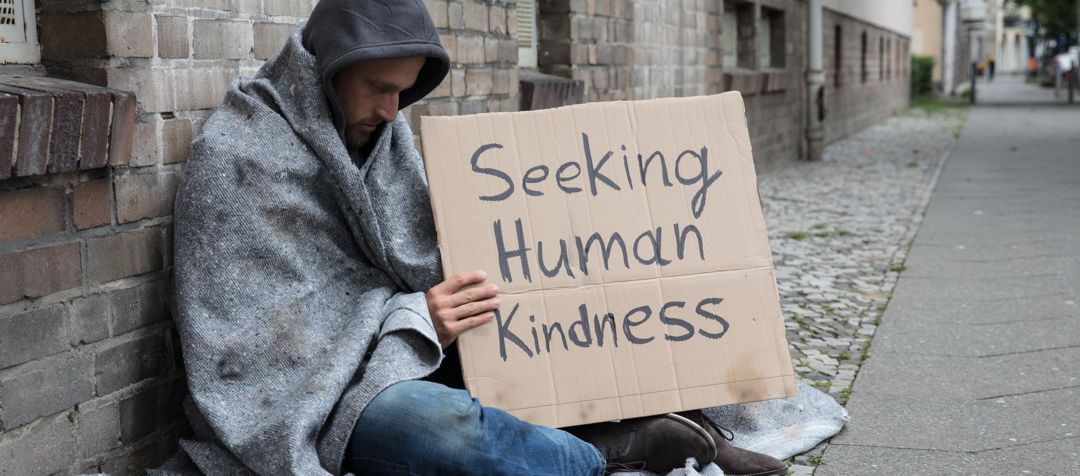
x,y
1058,17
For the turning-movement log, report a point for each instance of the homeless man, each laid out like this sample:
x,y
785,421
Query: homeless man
x,y
308,293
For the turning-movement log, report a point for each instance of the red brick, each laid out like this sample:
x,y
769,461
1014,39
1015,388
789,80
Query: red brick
x,y
476,16
146,147
34,126
9,116
90,204
66,126
123,255
172,32
478,82
129,34
144,195
39,272
269,38
93,152
30,213
123,128
470,49
176,140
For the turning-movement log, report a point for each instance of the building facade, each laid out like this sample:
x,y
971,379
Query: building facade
x,y
90,370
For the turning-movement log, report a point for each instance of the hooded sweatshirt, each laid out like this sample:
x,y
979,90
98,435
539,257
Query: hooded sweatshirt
x,y
342,32
299,274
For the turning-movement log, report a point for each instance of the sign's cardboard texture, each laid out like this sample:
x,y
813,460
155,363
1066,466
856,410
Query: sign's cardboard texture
x,y
681,313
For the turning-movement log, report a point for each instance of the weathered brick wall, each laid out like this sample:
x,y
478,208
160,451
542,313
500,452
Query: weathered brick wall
x,y
479,36
643,49
853,104
90,372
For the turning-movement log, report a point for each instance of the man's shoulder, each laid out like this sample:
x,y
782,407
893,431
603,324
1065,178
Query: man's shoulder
x,y
251,137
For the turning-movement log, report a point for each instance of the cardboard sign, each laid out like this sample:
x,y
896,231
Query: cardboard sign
x,y
628,241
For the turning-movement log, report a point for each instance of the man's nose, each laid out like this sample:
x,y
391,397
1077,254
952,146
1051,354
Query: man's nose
x,y
387,110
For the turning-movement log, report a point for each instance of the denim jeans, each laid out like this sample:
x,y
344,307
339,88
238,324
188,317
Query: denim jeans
x,y
422,427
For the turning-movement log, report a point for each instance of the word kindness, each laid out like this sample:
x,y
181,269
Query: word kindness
x,y
599,173
606,329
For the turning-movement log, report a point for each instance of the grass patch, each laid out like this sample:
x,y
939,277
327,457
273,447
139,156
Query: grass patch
x,y
833,233
796,235
843,356
898,267
937,105
845,394
815,460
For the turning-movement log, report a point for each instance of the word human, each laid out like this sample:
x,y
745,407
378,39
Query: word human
x,y
600,176
605,329
646,248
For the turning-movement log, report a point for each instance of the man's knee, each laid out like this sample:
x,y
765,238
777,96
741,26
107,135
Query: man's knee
x,y
418,407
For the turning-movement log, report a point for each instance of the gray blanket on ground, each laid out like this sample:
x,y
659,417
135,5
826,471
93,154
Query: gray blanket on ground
x,y
299,277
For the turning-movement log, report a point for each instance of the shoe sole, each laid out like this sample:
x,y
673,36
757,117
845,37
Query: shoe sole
x,y
697,428
774,472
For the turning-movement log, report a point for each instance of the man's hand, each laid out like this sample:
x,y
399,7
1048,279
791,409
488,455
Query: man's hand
x,y
455,310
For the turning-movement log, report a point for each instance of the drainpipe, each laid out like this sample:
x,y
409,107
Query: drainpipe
x,y
815,86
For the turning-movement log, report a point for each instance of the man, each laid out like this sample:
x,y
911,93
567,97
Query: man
x,y
308,294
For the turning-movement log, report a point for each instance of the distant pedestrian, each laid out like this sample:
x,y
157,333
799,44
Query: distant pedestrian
x,y
990,67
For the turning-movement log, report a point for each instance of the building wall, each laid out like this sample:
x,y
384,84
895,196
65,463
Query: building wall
x,y
893,15
926,33
857,97
90,366
643,49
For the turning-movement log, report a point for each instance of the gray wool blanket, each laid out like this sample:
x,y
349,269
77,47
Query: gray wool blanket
x,y
298,276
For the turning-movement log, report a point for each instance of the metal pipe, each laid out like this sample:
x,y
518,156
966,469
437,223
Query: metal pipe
x,y
815,84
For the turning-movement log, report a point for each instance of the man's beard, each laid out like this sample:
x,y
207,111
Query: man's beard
x,y
355,137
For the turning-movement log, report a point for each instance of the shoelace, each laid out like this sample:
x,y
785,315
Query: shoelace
x,y
721,430
615,467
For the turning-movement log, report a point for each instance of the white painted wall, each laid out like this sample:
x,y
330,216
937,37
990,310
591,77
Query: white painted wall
x,y
895,15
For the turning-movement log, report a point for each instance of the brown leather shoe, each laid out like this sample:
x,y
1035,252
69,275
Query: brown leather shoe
x,y
732,460
657,443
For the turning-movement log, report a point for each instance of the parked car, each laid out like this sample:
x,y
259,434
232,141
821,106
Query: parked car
x,y
1062,61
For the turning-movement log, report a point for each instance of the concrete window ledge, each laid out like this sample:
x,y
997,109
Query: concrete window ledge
x,y
752,83
50,125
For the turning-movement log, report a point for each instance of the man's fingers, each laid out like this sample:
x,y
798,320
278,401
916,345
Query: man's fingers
x,y
478,293
469,323
472,309
458,281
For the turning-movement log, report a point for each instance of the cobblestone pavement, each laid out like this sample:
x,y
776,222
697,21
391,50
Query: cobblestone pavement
x,y
839,231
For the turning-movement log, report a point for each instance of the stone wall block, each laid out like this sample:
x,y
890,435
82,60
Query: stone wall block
x,y
288,8
222,39
478,82
176,140
129,34
144,195
32,335
99,430
146,150
439,11
45,449
65,379
72,35
172,36
39,272
470,49
130,362
90,203
137,307
269,38
89,319
122,255
30,213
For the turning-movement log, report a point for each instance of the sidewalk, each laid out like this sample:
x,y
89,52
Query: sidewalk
x,y
975,368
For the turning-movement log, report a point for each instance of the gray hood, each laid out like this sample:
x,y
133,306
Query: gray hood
x,y
342,32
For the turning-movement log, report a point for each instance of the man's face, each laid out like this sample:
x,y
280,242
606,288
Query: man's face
x,y
369,90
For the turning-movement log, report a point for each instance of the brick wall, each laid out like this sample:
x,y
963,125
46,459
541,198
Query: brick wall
x,y
854,103
90,371
479,36
643,49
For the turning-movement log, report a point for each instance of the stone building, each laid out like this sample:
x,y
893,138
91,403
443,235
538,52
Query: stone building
x,y
90,370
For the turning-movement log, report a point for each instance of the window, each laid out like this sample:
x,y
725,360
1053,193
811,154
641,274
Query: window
x,y
838,56
863,73
18,32
770,34
888,64
526,30
729,37
881,58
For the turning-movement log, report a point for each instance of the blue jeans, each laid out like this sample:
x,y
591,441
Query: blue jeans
x,y
419,427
